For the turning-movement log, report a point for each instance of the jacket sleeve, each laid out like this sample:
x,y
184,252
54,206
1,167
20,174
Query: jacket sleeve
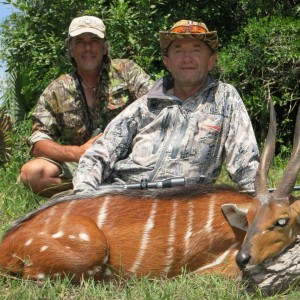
x,y
44,117
138,81
242,154
97,162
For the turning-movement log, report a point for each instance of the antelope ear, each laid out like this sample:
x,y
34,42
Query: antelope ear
x,y
236,215
295,207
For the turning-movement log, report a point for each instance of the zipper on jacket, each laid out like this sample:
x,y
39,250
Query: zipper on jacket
x,y
182,132
162,155
164,126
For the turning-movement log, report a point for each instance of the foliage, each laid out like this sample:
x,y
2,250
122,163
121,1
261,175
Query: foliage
x,y
5,127
14,198
259,43
264,60
19,153
16,101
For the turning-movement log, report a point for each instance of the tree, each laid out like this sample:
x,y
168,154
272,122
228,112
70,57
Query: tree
x,y
32,38
5,127
256,40
262,60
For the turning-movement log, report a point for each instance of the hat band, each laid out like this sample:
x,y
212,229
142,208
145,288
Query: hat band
x,y
188,29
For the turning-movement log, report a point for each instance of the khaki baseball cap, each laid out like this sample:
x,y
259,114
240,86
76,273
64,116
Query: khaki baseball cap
x,y
188,29
87,24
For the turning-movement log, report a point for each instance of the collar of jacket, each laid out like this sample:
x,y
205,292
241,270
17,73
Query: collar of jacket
x,y
160,87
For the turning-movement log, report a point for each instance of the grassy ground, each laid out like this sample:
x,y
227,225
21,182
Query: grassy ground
x,y
184,287
15,201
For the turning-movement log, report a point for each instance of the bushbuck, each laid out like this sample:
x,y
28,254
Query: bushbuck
x,y
273,218
157,232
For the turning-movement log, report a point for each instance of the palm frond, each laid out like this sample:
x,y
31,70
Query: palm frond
x,y
5,148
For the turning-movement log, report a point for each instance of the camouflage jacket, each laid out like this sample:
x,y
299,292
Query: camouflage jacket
x,y
61,113
158,137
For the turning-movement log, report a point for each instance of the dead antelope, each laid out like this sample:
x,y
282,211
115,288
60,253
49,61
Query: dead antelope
x,y
155,232
274,219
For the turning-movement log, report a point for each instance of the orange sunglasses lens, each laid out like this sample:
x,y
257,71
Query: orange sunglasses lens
x,y
189,29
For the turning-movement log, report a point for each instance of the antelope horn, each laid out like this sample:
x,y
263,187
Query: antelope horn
x,y
290,174
261,182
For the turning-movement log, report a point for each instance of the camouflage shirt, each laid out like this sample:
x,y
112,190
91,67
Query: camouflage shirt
x,y
159,136
61,112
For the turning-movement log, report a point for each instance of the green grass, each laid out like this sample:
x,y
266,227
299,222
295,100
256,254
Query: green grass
x,y
185,287
15,201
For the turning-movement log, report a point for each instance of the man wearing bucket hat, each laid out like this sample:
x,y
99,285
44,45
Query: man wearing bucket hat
x,y
75,108
186,125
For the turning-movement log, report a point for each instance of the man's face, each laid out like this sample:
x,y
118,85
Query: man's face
x,y
189,61
88,49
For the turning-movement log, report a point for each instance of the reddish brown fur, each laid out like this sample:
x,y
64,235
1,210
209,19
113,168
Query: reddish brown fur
x,y
121,235
266,238
273,219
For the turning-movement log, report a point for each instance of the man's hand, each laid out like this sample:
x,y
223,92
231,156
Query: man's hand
x,y
89,143
61,153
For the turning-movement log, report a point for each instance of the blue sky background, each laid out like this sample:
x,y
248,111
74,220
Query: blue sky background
x,y
5,10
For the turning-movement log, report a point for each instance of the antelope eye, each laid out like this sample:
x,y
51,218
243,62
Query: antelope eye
x,y
282,222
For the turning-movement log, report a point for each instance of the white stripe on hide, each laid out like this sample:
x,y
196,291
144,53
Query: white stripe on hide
x,y
171,239
47,220
208,226
145,238
217,261
189,230
65,215
103,212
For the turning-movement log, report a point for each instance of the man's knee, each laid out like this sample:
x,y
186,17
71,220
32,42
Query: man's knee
x,y
25,175
37,170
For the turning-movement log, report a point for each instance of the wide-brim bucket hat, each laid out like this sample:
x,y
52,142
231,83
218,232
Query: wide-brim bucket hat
x,y
188,29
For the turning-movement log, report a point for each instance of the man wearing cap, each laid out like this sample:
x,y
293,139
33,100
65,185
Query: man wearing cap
x,y
75,108
186,126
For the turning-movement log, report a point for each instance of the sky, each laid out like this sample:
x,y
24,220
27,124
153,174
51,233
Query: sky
x,y
5,11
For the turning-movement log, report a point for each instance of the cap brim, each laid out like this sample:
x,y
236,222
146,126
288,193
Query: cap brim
x,y
209,38
77,32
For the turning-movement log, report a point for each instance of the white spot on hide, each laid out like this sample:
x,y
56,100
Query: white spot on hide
x,y
28,242
84,237
58,234
40,276
44,248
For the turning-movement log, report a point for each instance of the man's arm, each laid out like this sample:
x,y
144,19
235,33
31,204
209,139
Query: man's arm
x,y
139,82
98,161
242,154
62,153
